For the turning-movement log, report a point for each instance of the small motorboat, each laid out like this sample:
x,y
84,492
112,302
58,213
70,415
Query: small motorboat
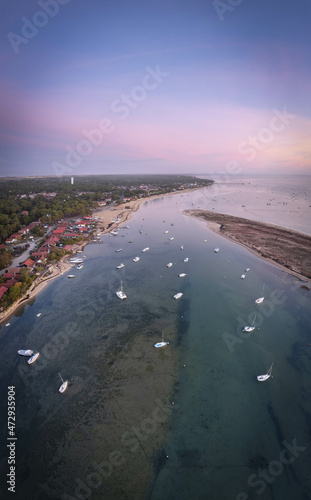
x,y
71,276
120,266
38,315
119,250
216,250
182,247
171,238
242,276
182,275
178,295
25,352
145,249
169,264
136,259
186,259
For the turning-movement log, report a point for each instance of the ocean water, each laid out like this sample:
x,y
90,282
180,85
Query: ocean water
x,y
186,421
284,201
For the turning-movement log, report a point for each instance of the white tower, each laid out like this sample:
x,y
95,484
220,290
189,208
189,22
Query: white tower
x,y
72,181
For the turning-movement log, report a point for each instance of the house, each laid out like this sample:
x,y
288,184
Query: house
x,y
29,263
67,248
10,283
3,290
15,270
8,276
59,230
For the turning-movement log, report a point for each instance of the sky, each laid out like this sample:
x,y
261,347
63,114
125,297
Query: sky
x,y
155,86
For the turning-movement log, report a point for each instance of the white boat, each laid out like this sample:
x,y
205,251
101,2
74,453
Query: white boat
x,y
262,378
76,260
242,276
260,300
71,276
165,232
7,324
79,266
182,247
119,250
136,259
114,233
216,250
121,294
33,358
64,385
25,352
171,238
162,343
79,251
169,264
120,266
247,269
182,275
250,328
38,315
186,259
145,249
178,295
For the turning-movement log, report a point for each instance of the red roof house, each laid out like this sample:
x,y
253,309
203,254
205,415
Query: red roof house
x,y
29,263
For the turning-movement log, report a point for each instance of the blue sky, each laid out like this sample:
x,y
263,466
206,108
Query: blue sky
x,y
155,87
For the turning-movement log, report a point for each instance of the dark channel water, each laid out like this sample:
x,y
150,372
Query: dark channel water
x,y
186,421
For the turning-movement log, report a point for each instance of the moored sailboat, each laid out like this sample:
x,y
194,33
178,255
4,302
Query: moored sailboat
x,y
64,384
263,378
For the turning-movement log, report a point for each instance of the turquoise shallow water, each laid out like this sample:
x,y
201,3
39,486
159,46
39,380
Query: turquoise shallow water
x,y
227,431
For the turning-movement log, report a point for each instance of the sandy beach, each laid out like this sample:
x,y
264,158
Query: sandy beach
x,y
285,248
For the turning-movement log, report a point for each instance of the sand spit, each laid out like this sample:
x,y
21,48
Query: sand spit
x,y
286,248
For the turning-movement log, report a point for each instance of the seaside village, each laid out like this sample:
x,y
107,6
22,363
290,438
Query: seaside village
x,y
65,238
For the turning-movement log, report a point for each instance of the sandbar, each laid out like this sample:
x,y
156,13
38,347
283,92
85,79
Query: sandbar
x,y
288,249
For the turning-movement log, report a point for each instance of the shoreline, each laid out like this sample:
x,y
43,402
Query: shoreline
x,y
287,249
63,265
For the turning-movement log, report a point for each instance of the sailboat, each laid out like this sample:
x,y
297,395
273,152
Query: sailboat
x,y
64,385
262,378
33,358
121,294
250,328
162,343
260,300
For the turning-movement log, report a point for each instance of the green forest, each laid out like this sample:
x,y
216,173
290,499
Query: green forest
x,y
72,200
